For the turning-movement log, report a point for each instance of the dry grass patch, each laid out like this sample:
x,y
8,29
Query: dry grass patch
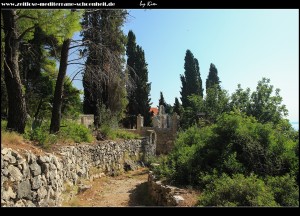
x,y
10,138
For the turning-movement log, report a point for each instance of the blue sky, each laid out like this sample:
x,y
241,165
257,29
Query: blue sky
x,y
245,45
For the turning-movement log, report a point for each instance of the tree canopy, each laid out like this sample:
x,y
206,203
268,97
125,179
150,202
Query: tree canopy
x,y
139,92
190,80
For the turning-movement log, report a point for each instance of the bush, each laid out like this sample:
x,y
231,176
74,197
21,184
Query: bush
x,y
237,191
76,132
69,132
107,132
240,144
164,170
41,135
3,125
285,189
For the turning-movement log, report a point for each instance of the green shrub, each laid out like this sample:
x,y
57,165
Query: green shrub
x,y
3,125
240,144
237,191
122,134
41,135
69,132
165,169
285,189
114,133
76,132
107,132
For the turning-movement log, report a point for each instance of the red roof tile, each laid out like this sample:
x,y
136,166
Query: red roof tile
x,y
154,110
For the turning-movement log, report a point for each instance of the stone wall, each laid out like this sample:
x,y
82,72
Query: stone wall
x,y
86,120
165,137
39,180
165,140
163,195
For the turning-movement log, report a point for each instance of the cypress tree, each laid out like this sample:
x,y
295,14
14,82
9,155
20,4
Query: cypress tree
x,y
191,80
176,107
162,100
138,95
212,78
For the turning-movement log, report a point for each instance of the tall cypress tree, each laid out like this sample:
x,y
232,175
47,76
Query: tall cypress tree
x,y
212,78
176,107
162,100
138,95
191,80
199,80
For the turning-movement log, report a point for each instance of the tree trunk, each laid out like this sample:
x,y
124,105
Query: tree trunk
x,y
58,94
16,100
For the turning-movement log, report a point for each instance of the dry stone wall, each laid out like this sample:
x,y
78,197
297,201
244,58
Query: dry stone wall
x,y
39,180
162,194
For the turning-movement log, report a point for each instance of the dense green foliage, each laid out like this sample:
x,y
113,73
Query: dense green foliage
x,y
205,111
139,90
261,104
237,190
191,80
239,147
31,53
70,132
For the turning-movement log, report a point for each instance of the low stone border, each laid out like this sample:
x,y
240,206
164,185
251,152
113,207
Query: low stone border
x,y
164,195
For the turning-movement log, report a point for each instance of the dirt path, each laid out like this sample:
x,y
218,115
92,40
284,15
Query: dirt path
x,y
129,189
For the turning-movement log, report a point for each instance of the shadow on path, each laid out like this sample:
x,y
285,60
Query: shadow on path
x,y
139,196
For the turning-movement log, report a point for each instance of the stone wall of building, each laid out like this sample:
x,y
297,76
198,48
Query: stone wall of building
x,y
165,128
163,195
86,120
165,137
165,140
39,180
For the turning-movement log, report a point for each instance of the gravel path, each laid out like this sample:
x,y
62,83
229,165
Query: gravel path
x,y
129,189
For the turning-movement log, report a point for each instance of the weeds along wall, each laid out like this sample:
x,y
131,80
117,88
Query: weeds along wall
x,y
29,179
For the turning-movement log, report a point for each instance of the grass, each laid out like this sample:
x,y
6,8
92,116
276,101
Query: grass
x,y
10,138
113,134
70,133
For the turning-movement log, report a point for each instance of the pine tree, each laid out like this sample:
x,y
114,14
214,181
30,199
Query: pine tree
x,y
177,106
191,80
38,72
138,95
16,100
69,27
212,78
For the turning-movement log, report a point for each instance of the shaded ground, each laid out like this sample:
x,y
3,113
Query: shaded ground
x,y
129,189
